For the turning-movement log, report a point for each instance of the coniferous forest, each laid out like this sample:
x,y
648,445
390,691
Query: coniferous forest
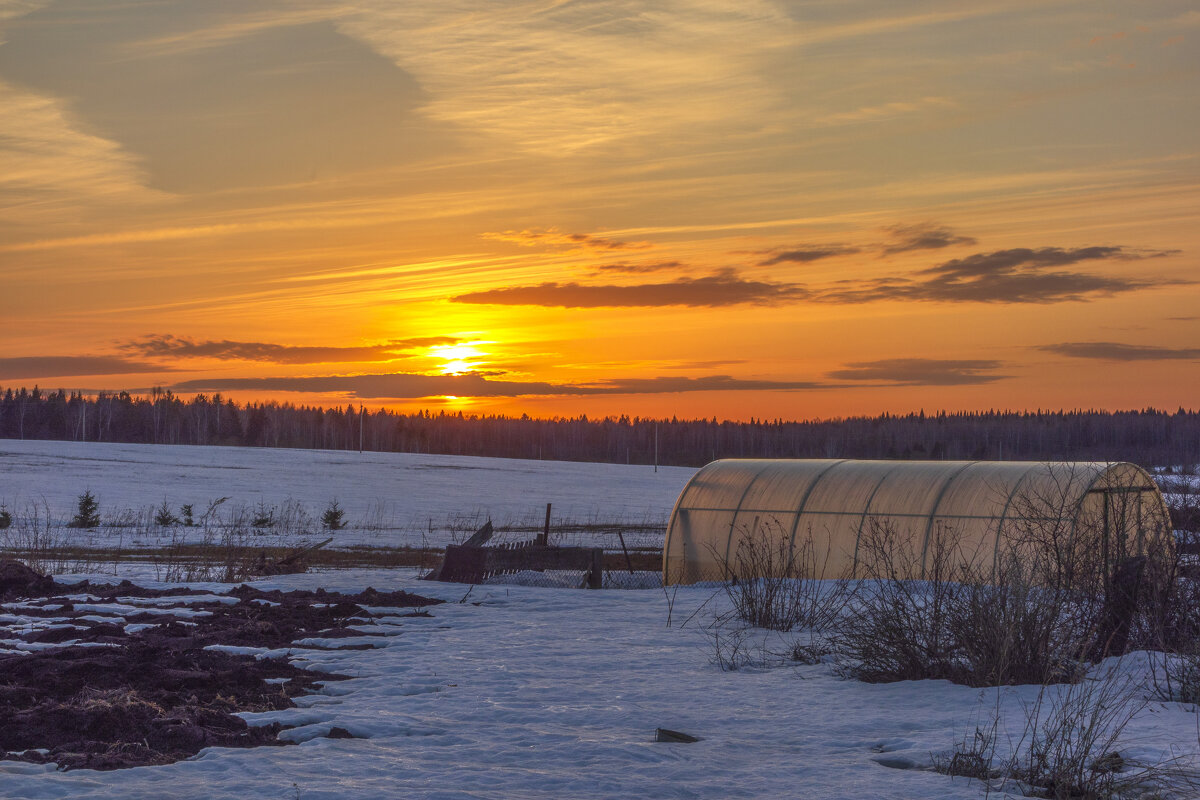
x,y
1150,437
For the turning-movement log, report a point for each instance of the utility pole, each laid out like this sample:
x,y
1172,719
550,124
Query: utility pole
x,y
656,447
360,428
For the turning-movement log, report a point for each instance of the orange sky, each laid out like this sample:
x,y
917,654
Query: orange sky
x,y
694,208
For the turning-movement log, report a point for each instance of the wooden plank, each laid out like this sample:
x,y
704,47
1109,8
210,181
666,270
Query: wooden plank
x,y
480,537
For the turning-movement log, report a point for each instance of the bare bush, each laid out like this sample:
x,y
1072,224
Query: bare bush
x,y
964,621
225,549
1176,676
1070,746
900,628
779,586
1009,630
1067,745
974,757
733,647
33,538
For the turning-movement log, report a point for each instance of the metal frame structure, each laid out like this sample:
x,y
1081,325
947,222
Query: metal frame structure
x,y
830,502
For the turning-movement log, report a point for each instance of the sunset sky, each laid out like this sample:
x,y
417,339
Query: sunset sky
x,y
686,207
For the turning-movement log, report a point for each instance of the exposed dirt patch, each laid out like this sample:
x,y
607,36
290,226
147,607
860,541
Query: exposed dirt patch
x,y
102,696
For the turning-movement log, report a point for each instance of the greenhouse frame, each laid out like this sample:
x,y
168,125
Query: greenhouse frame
x,y
1114,509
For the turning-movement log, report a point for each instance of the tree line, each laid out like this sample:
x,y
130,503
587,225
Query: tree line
x,y
1148,436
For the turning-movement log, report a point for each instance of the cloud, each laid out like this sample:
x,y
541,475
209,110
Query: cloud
x,y
180,347
921,371
636,269
1115,351
725,288
885,111
268,104
1018,275
925,236
64,366
981,264
416,386
803,254
724,362
553,236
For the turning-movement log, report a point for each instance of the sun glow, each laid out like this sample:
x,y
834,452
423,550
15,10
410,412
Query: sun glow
x,y
458,358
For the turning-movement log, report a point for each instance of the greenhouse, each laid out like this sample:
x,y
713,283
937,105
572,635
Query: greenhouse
x,y
828,508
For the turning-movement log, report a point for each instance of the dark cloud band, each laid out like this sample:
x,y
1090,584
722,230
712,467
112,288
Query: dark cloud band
x,y
168,346
726,288
27,367
922,371
1115,351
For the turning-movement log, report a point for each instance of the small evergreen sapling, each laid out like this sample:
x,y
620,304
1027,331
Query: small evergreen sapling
x,y
333,518
264,516
163,516
188,520
5,517
87,514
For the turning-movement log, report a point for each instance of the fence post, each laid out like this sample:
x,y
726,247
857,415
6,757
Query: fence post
x,y
544,539
595,576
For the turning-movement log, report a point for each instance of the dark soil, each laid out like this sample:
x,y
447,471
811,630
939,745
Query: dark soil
x,y
156,696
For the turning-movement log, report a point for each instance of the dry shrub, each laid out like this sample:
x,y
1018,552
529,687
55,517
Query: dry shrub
x,y
225,549
1067,747
901,626
1070,747
964,622
780,586
33,538
1009,630
775,585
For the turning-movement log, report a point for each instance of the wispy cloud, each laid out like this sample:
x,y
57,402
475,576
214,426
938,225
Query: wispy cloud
x,y
886,111
43,150
168,346
26,367
1018,275
554,237
1116,351
281,114
922,371
804,254
926,236
638,269
725,288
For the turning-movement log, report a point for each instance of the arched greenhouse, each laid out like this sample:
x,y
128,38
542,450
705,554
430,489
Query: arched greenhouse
x,y
1110,510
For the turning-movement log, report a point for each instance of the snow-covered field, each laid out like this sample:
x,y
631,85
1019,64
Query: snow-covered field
x,y
526,692
390,499
542,693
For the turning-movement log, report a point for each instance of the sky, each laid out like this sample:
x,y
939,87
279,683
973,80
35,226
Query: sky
x,y
684,208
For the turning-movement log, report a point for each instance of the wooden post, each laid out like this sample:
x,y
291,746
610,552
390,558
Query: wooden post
x,y
544,539
595,575
1120,605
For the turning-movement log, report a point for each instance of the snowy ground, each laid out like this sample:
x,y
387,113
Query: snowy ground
x,y
390,499
548,693
522,692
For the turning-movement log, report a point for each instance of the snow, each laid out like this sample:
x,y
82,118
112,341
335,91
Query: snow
x,y
520,691
526,692
389,499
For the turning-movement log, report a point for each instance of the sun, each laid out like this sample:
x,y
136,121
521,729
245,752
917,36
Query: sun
x,y
458,358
